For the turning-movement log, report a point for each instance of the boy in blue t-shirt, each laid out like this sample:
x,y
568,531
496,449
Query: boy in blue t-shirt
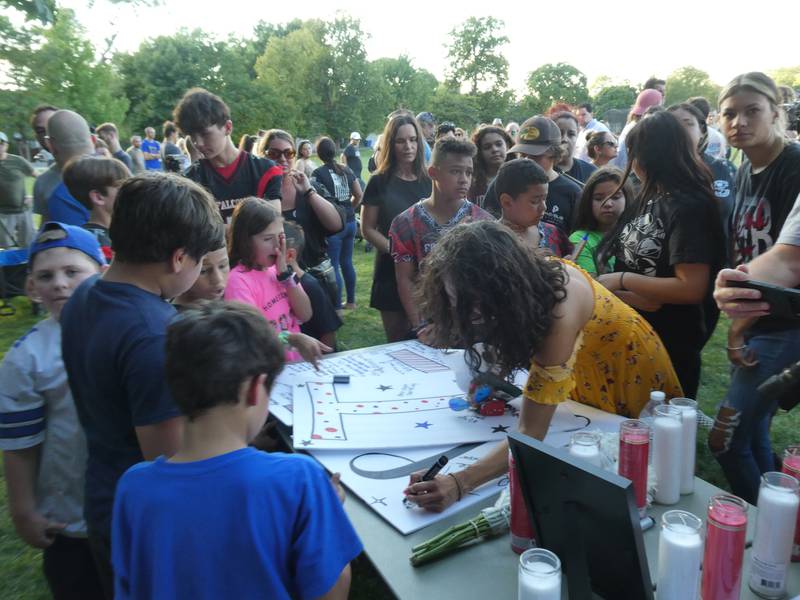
x,y
220,519
113,330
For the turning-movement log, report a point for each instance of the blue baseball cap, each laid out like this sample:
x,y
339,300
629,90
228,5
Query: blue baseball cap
x,y
66,236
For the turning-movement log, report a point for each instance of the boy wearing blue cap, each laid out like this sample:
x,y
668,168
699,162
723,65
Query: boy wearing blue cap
x,y
44,448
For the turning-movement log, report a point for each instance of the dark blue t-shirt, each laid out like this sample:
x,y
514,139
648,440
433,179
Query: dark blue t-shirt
x,y
353,157
324,318
245,524
581,170
113,347
62,207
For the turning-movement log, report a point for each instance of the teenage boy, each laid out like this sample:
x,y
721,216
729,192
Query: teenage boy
x,y
521,185
44,449
414,232
227,172
109,134
324,321
94,182
113,336
220,519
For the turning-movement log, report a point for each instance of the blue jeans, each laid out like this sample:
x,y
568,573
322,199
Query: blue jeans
x,y
340,249
740,438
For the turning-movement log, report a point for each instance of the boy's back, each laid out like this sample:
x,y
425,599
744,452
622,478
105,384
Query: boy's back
x,y
113,347
245,524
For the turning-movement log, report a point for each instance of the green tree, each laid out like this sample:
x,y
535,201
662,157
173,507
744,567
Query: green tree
x,y
787,76
61,70
475,57
162,69
686,82
613,96
450,104
560,82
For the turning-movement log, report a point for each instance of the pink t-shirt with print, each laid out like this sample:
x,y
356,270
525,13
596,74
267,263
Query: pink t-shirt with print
x,y
262,290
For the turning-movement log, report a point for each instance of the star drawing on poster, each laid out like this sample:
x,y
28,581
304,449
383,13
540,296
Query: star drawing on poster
x,y
378,500
500,429
423,425
383,388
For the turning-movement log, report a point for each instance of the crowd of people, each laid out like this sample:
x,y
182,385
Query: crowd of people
x,y
180,275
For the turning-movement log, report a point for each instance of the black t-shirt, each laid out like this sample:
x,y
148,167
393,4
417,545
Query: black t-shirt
x,y
353,157
247,176
562,202
316,246
581,170
763,201
324,319
668,230
339,186
723,174
392,196
124,158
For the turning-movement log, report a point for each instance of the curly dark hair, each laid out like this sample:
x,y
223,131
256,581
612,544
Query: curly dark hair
x,y
510,287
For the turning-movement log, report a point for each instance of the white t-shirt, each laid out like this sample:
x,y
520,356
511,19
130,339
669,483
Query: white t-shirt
x,y
717,146
37,409
581,151
790,233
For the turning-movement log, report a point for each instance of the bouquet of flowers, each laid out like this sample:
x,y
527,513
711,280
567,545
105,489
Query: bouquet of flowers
x,y
490,522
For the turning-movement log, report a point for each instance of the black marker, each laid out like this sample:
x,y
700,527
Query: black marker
x,y
434,470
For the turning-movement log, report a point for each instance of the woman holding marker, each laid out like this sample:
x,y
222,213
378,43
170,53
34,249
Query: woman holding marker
x,y
580,342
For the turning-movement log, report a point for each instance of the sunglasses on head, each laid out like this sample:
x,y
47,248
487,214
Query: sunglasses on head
x,y
275,154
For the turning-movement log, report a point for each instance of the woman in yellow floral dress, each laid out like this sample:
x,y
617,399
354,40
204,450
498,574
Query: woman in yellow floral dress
x,y
577,340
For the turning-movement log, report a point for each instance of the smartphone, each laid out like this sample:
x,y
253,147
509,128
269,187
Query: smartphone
x,y
783,302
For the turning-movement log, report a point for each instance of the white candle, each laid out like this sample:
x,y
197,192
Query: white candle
x,y
772,546
667,454
680,552
587,447
688,410
539,575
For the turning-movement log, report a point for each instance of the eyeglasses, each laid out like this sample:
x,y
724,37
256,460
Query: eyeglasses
x,y
275,154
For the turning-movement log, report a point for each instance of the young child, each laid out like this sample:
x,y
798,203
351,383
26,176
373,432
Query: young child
x,y
324,321
521,187
213,278
44,449
94,182
113,336
220,519
601,204
414,232
260,276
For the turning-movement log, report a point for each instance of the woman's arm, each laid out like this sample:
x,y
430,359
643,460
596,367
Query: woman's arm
x,y
688,286
358,194
369,228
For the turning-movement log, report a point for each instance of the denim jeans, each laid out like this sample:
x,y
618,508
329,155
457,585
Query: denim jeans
x,y
740,438
340,249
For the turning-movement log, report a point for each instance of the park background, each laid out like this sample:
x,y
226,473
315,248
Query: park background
x,y
312,77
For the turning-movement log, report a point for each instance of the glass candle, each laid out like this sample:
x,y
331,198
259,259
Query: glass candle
x,y
772,545
791,466
688,410
667,453
634,448
680,553
539,575
726,527
521,529
586,446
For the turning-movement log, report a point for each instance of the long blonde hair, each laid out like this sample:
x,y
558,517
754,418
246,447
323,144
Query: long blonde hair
x,y
759,83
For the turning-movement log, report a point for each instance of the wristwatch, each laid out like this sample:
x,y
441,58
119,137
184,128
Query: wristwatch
x,y
286,274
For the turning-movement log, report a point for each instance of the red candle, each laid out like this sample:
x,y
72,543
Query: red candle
x,y
634,447
791,466
726,527
521,529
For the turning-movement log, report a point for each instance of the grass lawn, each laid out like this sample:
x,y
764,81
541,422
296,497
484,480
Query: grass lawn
x,y
20,566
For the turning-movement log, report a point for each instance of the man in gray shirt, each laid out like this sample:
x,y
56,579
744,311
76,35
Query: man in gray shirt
x,y
16,222
136,154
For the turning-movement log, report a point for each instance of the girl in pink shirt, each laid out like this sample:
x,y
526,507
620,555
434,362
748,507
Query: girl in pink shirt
x,y
260,276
